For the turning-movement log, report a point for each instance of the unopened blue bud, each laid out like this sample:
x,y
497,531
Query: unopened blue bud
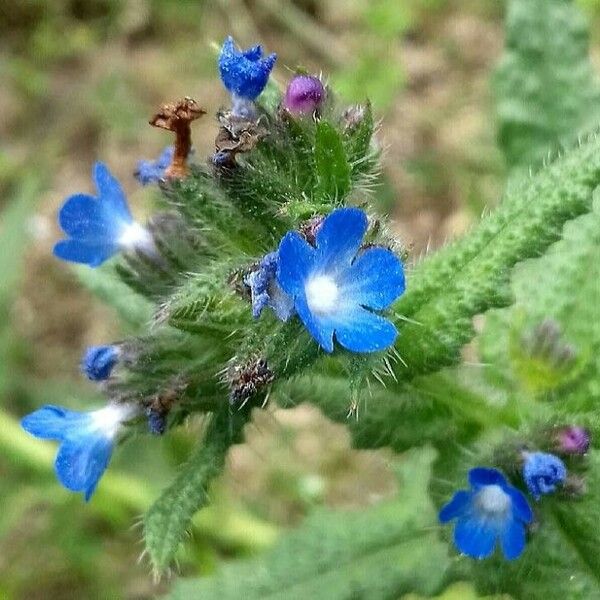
x,y
244,72
99,361
543,473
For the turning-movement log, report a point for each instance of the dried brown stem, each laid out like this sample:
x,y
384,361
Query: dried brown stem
x,y
177,117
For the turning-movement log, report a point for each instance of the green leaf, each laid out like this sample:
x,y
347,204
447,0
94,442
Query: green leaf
x,y
471,276
561,287
547,91
132,308
333,170
380,552
168,519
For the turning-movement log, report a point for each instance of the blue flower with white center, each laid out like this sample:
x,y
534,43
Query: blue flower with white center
x,y
543,473
86,441
98,361
244,72
266,291
336,286
153,171
99,227
491,510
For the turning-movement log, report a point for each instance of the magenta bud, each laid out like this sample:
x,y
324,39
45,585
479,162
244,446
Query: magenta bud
x,y
304,95
572,439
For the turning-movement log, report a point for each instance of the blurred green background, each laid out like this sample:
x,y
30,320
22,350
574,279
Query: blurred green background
x,y
80,79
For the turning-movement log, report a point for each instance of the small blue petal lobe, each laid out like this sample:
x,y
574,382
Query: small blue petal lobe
x,y
457,507
81,461
339,238
512,540
521,508
52,422
474,539
359,330
253,53
375,279
92,255
296,258
111,193
481,476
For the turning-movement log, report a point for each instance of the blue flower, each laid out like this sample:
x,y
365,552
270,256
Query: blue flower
x,y
153,171
98,361
543,473
334,284
244,72
491,510
98,227
86,441
266,291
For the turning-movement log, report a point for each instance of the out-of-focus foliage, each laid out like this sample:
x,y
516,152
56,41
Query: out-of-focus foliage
x,y
378,552
547,91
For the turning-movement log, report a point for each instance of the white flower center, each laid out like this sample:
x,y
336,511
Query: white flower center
x,y
108,420
322,295
493,500
135,236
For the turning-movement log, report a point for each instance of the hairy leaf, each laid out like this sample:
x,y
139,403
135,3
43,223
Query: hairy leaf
x,y
546,89
168,519
471,276
377,553
333,169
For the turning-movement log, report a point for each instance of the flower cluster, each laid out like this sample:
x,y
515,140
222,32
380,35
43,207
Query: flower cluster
x,y
324,274
493,510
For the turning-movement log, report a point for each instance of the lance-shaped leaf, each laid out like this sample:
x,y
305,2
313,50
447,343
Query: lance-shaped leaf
x,y
168,519
332,166
381,552
471,276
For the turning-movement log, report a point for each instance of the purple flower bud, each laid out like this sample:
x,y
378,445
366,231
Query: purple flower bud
x,y
304,94
572,440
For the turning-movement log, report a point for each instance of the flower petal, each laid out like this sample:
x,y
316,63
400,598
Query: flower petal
x,y
458,506
338,240
512,540
474,538
253,53
359,330
320,328
92,254
296,258
111,193
83,216
375,279
481,476
82,459
52,422
520,506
